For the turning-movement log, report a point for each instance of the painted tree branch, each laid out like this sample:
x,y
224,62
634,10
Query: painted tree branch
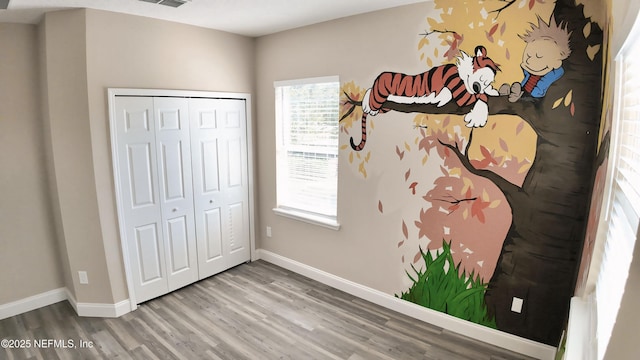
x,y
498,105
498,11
353,103
455,201
504,185
445,31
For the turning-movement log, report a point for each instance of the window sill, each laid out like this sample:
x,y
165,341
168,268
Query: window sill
x,y
309,218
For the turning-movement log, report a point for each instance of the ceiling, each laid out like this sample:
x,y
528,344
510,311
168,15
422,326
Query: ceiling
x,y
245,17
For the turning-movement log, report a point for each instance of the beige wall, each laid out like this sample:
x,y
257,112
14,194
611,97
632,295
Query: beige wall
x,y
64,136
68,141
624,14
68,115
28,249
83,60
51,176
355,48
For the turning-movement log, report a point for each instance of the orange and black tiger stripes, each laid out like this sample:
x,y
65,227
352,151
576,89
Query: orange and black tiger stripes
x,y
432,81
427,88
390,83
482,61
363,141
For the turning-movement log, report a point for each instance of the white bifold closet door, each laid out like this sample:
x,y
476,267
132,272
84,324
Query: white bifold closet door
x,y
182,166
220,183
156,186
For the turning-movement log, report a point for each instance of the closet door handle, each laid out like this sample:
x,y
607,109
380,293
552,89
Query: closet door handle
x,y
210,201
174,209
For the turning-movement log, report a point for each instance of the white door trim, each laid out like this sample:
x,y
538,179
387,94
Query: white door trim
x,y
112,93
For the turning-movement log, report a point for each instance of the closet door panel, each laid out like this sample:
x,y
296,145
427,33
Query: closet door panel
x,y
179,244
139,161
207,185
234,163
140,197
236,227
173,170
210,172
213,234
148,251
236,186
220,182
176,200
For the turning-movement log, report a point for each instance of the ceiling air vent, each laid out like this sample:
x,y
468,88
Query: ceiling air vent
x,y
172,3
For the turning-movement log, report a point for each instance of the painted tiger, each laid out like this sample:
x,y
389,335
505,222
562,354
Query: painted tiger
x,y
468,82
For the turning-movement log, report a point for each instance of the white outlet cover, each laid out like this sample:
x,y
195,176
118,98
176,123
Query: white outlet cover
x,y
82,277
516,305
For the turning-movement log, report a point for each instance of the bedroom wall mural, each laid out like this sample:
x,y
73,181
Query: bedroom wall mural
x,y
493,175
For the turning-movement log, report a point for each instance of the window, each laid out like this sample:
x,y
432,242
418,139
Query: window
x,y
307,128
623,196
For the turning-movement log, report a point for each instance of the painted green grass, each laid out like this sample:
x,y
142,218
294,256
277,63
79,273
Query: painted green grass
x,y
448,291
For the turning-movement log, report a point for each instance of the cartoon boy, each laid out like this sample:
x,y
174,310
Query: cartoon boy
x,y
547,46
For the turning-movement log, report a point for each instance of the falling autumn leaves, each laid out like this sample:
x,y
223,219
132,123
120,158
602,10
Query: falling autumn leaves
x,y
399,152
591,50
567,100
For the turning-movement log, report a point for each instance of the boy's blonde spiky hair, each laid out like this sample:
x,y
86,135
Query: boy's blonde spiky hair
x,y
553,31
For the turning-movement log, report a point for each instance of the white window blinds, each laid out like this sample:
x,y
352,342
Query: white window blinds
x,y
624,199
307,147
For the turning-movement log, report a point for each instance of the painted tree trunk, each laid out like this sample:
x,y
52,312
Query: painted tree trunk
x,y
541,253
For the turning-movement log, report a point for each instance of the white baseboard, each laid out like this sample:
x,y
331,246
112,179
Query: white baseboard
x,y
98,309
459,326
104,310
54,296
32,302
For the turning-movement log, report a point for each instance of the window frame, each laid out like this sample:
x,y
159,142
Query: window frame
x,y
286,209
617,217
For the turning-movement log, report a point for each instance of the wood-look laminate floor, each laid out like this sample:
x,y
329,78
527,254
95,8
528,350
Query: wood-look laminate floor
x,y
253,311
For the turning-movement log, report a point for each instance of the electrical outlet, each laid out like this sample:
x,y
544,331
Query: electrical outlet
x,y
268,231
516,305
82,276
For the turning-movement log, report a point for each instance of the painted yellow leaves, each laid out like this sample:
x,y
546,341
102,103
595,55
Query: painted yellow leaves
x,y
592,50
494,24
567,100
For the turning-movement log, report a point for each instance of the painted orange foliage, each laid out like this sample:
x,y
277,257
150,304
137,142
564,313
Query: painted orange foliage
x,y
462,208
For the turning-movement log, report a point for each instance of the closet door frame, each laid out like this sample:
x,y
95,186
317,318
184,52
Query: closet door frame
x,y
112,93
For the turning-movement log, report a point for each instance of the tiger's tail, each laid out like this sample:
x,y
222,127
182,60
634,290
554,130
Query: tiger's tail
x,y
363,140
